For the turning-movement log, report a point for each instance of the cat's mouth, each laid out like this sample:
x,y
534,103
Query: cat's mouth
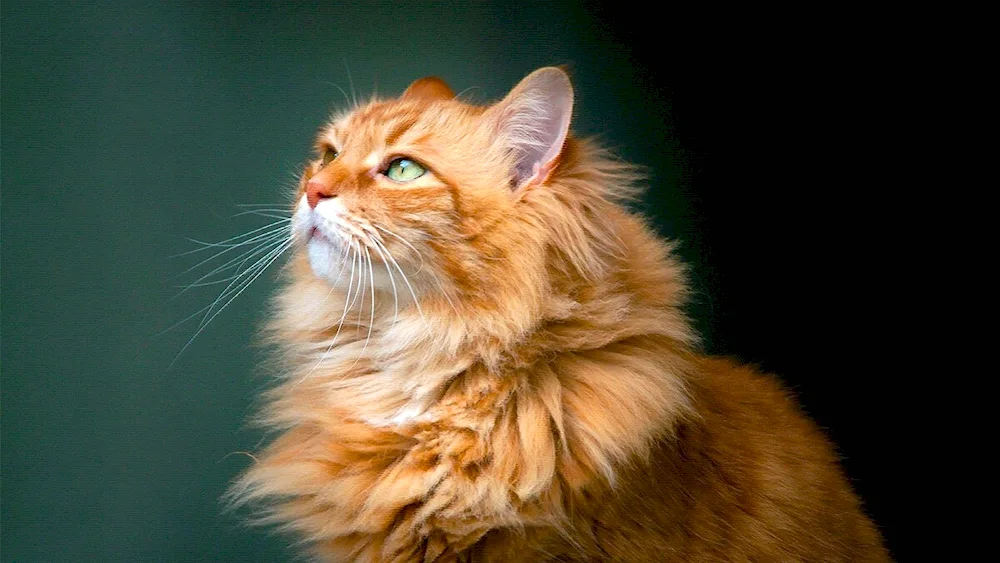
x,y
322,235
326,240
316,233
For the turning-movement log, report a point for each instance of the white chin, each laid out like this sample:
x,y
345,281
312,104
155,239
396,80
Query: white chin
x,y
324,258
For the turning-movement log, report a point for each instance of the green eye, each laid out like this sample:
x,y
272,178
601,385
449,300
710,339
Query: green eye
x,y
328,155
404,170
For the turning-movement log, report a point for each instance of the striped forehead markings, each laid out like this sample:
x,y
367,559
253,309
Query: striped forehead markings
x,y
399,129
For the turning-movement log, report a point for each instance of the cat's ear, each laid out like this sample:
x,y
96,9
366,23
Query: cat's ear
x,y
533,121
430,88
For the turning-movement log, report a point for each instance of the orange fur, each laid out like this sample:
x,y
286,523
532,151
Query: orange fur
x,y
539,395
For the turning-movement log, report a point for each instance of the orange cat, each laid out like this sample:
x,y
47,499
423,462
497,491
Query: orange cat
x,y
487,360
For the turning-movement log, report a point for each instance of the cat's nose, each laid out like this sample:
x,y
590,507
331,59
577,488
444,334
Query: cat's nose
x,y
317,190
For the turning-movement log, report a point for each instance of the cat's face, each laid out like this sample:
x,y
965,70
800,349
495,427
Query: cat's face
x,y
397,188
414,190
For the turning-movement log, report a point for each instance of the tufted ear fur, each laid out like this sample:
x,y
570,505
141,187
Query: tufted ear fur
x,y
430,88
533,121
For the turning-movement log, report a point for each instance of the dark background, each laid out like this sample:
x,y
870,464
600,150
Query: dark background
x,y
130,126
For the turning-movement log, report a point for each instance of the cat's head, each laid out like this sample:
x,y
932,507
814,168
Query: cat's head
x,y
426,195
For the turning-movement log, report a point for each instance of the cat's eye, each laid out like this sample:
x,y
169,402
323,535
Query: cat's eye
x,y
328,155
404,170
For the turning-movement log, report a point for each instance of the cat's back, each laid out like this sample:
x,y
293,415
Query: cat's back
x,y
748,477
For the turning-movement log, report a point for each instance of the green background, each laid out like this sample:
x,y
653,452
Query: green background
x,y
128,127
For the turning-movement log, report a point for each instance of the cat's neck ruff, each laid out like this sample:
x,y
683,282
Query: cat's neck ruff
x,y
387,368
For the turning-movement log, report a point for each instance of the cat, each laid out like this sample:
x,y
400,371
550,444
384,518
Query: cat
x,y
487,358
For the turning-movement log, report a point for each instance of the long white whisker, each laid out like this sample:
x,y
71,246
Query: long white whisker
x,y
444,292
234,280
348,302
232,240
274,209
263,247
274,255
351,83
185,288
257,268
395,296
340,274
361,305
260,240
459,95
273,238
407,243
248,274
358,248
268,213
371,322
407,281
343,266
340,325
268,238
225,244
207,245
347,98
433,275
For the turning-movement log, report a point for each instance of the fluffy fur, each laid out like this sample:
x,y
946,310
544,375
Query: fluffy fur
x,y
531,390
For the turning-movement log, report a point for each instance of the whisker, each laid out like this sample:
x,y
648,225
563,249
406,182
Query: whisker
x,y
371,322
361,307
347,99
348,303
271,215
433,275
242,259
245,257
340,274
207,245
355,300
340,325
405,280
395,296
445,293
257,268
203,284
234,292
354,95
278,232
459,95
406,242
282,214
275,235
343,266
226,291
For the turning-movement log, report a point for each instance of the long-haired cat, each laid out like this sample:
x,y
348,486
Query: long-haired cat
x,y
486,359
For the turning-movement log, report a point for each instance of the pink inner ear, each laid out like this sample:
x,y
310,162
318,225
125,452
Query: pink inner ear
x,y
538,123
430,88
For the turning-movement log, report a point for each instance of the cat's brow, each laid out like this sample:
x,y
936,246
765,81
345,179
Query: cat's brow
x,y
326,138
399,129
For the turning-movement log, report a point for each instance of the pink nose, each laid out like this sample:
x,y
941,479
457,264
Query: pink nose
x,y
316,191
